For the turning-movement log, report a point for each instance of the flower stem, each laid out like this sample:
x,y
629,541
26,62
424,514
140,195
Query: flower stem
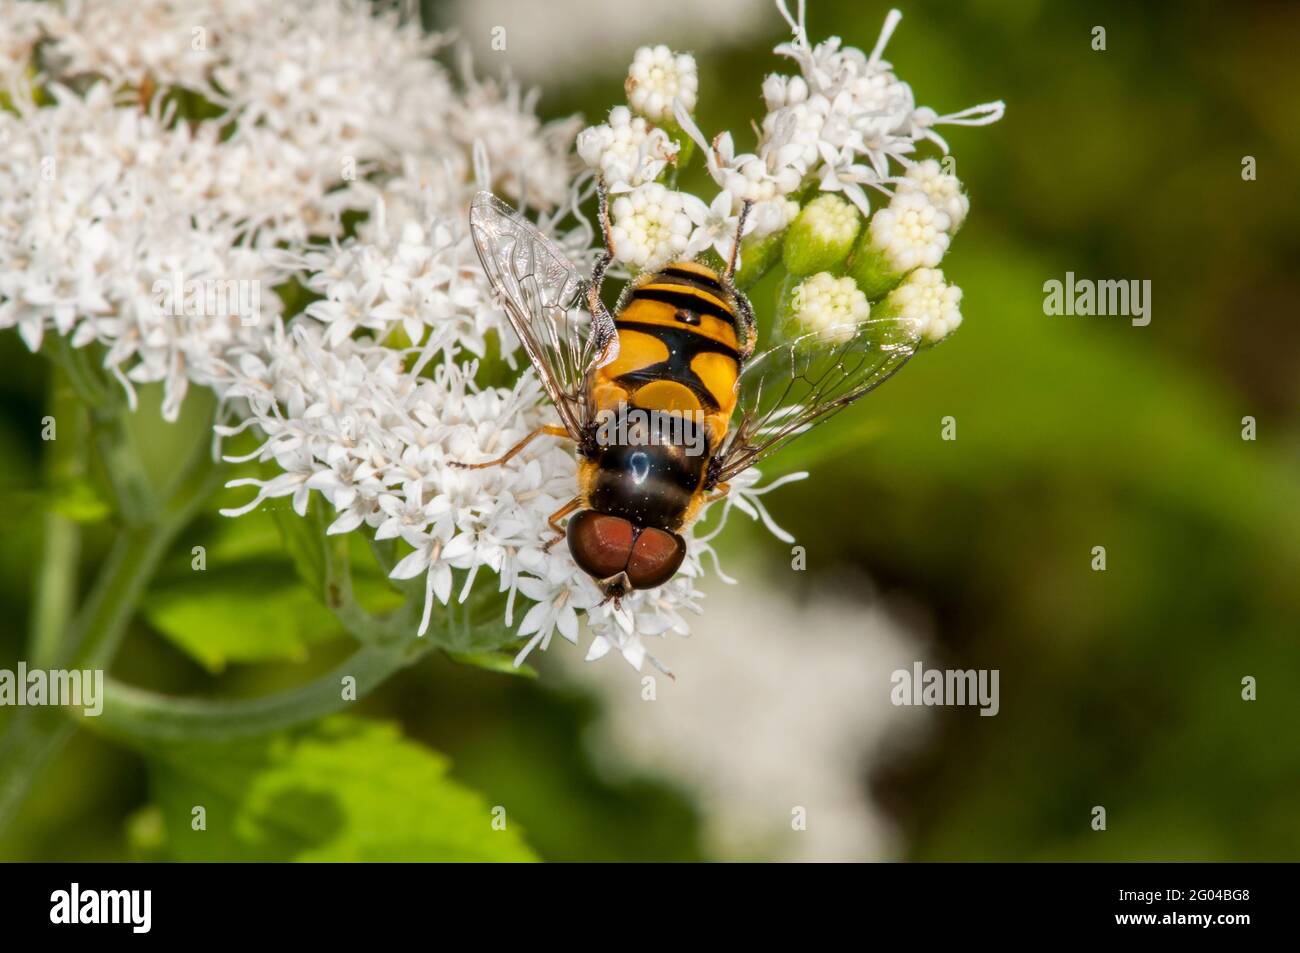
x,y
56,577
387,644
35,735
135,715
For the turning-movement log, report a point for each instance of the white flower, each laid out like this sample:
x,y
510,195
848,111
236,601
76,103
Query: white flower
x,y
24,24
911,232
926,302
657,78
763,179
650,226
830,307
104,239
625,151
853,117
521,158
941,188
716,226
110,195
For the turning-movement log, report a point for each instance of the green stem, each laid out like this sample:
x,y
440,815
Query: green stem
x,y
37,734
135,715
388,644
109,430
56,577
115,445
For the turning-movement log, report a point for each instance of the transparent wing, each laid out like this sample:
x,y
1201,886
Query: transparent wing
x,y
543,296
792,387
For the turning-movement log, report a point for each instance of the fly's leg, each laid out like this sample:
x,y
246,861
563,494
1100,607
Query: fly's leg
x,y
604,337
594,303
554,521
746,312
718,493
549,431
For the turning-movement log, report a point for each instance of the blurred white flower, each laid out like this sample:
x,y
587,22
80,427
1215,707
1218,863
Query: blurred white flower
x,y
785,705
520,157
657,79
564,40
25,21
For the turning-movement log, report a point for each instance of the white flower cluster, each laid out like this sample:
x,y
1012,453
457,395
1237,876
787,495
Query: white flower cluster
x,y
375,434
941,188
117,205
625,150
911,232
928,303
846,116
843,124
830,307
107,215
657,79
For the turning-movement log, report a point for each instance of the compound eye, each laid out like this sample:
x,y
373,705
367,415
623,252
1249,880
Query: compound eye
x,y
600,543
656,557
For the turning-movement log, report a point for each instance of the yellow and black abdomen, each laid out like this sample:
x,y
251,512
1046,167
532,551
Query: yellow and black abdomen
x,y
678,348
678,353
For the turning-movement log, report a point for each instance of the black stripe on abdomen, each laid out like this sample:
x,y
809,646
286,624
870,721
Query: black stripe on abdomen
x,y
685,300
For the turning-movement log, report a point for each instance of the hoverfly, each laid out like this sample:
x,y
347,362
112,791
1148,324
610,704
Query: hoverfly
x,y
668,369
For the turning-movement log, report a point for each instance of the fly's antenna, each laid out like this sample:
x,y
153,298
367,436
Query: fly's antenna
x,y
735,245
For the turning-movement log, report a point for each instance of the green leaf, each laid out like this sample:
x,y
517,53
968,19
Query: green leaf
x,y
254,611
345,789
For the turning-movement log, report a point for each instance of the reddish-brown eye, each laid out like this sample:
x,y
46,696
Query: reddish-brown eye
x,y
600,543
656,556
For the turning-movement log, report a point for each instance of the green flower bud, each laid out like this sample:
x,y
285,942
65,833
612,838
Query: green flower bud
x,y
757,256
821,237
871,269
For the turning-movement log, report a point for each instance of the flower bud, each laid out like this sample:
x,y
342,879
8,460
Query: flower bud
x,y
909,233
656,78
926,303
821,237
942,189
831,308
758,253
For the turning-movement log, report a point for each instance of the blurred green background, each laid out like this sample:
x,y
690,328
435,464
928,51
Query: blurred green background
x,y
1119,688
